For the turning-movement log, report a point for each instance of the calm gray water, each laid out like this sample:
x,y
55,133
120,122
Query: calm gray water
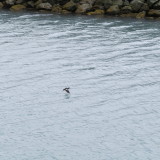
x,y
112,66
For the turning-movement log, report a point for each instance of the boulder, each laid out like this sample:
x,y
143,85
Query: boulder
x,y
57,9
99,7
44,6
117,2
136,5
144,7
154,13
65,12
83,8
96,12
20,1
10,2
125,3
70,6
38,2
30,4
1,5
61,2
126,9
91,2
156,6
17,7
113,10
132,15
151,2
141,15
108,3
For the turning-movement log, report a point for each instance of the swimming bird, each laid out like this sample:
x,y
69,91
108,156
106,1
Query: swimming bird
x,y
66,89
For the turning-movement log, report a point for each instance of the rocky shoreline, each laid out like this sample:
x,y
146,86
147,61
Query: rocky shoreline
x,y
123,8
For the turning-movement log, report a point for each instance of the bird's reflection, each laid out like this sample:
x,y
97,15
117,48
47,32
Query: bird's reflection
x,y
67,96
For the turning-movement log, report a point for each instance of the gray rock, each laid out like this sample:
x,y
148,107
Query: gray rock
x,y
30,4
45,6
154,13
10,2
70,6
125,3
144,7
61,2
19,1
1,5
117,2
136,5
126,9
108,3
156,6
91,2
151,2
83,8
141,14
113,10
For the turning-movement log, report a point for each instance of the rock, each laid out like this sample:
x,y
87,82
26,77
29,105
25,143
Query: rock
x,y
113,10
144,7
117,2
156,6
61,2
136,5
95,7
154,13
125,3
141,14
57,9
10,2
91,2
151,2
1,5
38,2
96,12
126,9
19,1
83,8
17,7
30,4
45,6
108,3
132,15
65,12
70,6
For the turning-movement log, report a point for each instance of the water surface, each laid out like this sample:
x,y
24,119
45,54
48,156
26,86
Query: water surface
x,y
112,66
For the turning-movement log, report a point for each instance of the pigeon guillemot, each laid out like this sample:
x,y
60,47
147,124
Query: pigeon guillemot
x,y
66,89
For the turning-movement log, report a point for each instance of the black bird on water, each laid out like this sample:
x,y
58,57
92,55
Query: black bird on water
x,y
66,89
